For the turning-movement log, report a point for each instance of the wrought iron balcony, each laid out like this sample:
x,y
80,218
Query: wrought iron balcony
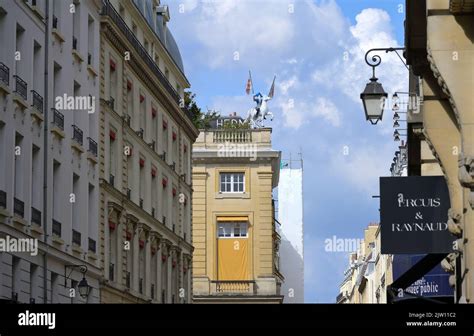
x,y
58,119
3,199
92,245
37,101
21,87
76,237
18,207
77,134
56,228
4,74
92,147
112,272
141,52
35,216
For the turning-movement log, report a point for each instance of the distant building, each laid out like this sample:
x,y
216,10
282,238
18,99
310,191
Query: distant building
x,y
234,230
290,217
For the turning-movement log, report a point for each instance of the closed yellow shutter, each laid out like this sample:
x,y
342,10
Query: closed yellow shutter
x,y
233,259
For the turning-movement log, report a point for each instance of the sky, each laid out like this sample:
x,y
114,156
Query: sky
x,y
316,50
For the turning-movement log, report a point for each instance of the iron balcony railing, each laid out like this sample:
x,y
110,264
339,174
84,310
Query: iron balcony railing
x,y
21,87
142,53
92,146
58,119
76,237
35,216
18,207
4,74
3,199
37,101
92,245
77,134
56,229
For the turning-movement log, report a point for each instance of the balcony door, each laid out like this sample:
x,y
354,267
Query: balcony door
x,y
233,251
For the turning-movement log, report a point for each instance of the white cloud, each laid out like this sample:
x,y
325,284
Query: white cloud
x,y
362,165
349,72
326,109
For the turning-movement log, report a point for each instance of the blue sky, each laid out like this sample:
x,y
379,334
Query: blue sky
x,y
316,49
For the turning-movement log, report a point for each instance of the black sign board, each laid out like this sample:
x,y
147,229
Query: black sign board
x,y
414,215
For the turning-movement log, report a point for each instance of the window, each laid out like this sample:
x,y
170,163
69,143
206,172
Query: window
x,y
232,230
232,182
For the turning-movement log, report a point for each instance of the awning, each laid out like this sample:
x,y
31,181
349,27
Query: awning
x,y
232,218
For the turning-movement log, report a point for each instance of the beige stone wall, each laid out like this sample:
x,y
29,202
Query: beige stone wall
x,y
255,203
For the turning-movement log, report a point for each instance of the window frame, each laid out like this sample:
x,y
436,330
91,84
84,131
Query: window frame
x,y
231,182
229,231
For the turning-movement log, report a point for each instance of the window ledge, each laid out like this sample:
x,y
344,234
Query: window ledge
x,y
36,229
77,146
59,132
76,248
37,115
92,158
20,101
38,12
5,88
221,195
58,35
92,70
92,255
58,240
4,213
19,220
77,55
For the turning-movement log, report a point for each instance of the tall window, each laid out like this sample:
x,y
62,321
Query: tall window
x,y
141,186
142,114
19,173
76,206
90,40
113,248
113,83
141,266
232,182
112,156
37,68
57,195
76,24
165,136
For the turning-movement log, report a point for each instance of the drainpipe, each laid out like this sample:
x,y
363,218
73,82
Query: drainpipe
x,y
45,154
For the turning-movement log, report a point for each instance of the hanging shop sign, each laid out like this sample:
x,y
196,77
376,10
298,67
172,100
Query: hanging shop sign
x,y
414,215
435,283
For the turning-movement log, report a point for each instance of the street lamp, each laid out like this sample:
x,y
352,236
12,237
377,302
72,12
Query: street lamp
x,y
374,96
83,286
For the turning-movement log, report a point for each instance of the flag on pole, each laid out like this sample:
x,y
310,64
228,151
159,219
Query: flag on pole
x,y
272,89
249,86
